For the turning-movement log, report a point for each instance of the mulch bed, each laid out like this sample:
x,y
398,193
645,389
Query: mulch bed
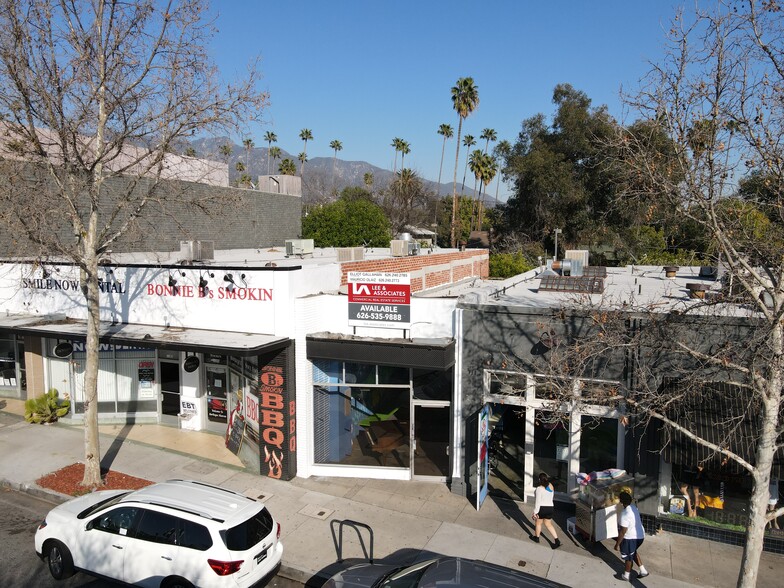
x,y
68,480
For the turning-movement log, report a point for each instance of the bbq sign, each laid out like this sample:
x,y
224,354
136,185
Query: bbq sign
x,y
378,299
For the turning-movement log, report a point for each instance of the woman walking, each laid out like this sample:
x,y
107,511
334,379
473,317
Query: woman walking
x,y
543,510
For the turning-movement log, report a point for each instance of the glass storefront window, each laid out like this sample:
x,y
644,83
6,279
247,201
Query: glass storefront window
x,y
393,375
125,378
357,425
717,493
359,373
432,385
7,363
598,444
551,447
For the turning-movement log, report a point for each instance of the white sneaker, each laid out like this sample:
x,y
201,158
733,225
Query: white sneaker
x,y
625,577
643,574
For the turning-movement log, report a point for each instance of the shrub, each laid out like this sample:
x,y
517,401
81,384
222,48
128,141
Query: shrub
x,y
46,408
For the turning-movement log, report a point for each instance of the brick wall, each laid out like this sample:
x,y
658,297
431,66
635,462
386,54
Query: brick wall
x,y
427,271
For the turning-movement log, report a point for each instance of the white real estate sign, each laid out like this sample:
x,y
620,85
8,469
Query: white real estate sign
x,y
378,299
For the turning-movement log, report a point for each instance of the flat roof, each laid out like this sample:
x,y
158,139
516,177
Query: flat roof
x,y
636,288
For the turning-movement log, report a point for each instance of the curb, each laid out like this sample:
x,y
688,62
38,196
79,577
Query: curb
x,y
33,490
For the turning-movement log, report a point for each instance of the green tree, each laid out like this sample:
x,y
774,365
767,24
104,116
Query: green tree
x,y
465,99
226,151
347,223
287,167
240,167
190,152
405,149
446,132
336,146
84,84
248,144
305,135
274,154
270,138
501,153
397,143
488,135
561,175
356,193
405,202
468,142
368,181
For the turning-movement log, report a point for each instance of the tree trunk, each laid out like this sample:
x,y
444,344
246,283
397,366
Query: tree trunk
x,y
441,167
766,451
454,182
92,450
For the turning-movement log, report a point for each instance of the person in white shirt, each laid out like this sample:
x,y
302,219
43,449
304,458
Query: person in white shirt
x,y
543,510
630,536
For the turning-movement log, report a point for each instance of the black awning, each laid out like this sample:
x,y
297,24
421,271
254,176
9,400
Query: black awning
x,y
724,414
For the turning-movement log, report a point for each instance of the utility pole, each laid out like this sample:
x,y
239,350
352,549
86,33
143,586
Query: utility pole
x,y
555,254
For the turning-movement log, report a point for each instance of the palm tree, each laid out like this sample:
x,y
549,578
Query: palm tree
x,y
306,136
226,151
270,138
468,142
446,132
475,163
368,179
488,135
248,144
274,154
190,152
465,99
287,167
397,142
405,149
336,146
487,172
501,152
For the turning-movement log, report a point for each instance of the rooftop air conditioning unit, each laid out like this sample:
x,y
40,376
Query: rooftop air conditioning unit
x,y
399,247
350,253
206,250
299,247
197,250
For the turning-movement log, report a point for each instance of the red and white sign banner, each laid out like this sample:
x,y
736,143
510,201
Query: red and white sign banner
x,y
377,299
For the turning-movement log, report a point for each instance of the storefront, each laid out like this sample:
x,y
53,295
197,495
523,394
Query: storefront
x,y
381,408
528,437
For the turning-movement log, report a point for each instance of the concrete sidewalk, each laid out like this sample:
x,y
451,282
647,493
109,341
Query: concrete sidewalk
x,y
406,519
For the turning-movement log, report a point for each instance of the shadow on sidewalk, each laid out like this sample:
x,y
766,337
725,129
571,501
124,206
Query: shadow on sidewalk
x,y
511,510
114,448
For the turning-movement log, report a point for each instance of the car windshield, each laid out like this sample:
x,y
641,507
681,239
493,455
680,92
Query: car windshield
x,y
112,500
406,577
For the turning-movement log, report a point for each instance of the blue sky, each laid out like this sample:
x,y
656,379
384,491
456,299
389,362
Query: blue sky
x,y
364,72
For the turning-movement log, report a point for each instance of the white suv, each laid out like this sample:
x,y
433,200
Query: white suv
x,y
173,534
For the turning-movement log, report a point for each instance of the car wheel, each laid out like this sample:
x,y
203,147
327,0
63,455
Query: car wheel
x,y
176,583
60,561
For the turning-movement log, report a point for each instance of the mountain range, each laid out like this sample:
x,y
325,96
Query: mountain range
x,y
321,173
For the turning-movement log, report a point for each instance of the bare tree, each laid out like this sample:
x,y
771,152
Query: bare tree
x,y
93,91
717,97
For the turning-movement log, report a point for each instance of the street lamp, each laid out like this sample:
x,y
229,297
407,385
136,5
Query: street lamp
x,y
555,255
